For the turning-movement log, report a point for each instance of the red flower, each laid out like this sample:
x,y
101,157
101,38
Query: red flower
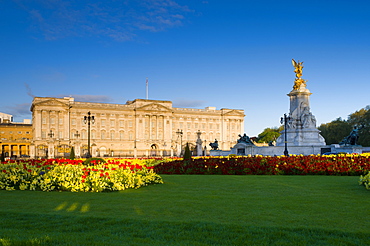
x,y
4,171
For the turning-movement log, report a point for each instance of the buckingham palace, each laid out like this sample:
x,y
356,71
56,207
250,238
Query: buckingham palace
x,y
139,128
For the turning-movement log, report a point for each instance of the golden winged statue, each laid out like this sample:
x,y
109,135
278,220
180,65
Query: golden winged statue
x,y
298,67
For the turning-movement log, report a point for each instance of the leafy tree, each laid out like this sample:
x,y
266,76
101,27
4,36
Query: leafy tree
x,y
361,118
335,131
269,134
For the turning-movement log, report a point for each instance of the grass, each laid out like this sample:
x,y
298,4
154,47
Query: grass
x,y
195,210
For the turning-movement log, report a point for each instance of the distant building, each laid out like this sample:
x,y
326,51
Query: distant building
x,y
15,138
138,128
5,118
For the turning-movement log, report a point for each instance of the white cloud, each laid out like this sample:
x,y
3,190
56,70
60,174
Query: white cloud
x,y
119,20
19,110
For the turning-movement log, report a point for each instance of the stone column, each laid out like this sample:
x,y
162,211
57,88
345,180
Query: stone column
x,y
32,151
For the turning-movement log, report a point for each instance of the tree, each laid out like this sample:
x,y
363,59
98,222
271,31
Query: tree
x,y
187,153
335,131
361,118
269,134
72,154
2,157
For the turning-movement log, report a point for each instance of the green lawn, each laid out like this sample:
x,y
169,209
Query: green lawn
x,y
195,210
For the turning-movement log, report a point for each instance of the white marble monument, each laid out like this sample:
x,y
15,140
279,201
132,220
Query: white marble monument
x,y
301,123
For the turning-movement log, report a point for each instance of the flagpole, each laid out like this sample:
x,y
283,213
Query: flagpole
x,y
147,89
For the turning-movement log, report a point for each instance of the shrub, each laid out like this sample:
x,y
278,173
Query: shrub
x,y
187,153
72,155
365,180
93,161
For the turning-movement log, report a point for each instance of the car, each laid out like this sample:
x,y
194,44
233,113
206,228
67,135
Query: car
x,y
330,153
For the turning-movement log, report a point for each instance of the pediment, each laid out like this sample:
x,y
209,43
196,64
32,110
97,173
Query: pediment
x,y
154,107
49,103
234,113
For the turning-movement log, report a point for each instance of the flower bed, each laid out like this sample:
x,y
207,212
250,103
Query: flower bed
x,y
73,175
263,165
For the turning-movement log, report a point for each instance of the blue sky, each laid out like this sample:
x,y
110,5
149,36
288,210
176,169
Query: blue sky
x,y
226,54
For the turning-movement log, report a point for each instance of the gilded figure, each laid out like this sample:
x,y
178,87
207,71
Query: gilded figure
x,y
298,67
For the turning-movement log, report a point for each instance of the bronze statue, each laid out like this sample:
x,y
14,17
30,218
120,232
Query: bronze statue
x,y
352,138
245,139
298,67
214,145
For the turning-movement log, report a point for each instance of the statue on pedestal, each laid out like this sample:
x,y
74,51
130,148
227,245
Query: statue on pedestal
x,y
214,145
245,139
298,67
300,128
352,138
307,119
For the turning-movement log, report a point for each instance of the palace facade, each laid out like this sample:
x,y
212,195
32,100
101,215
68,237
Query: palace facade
x,y
138,128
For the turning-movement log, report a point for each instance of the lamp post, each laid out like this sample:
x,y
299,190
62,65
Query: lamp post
x,y
205,148
51,134
179,133
88,120
284,120
77,135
